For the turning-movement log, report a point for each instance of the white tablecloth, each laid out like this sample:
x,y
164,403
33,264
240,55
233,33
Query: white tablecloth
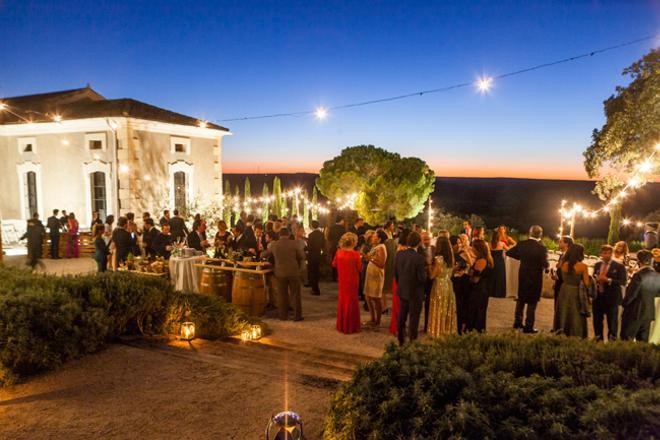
x,y
513,266
183,273
654,335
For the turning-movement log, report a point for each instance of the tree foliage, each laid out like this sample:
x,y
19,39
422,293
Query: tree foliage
x,y
265,193
630,133
247,193
632,128
387,185
277,194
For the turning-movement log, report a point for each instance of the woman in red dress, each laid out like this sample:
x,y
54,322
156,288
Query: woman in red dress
x,y
396,304
348,263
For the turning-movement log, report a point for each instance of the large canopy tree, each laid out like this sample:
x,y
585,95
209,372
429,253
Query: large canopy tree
x,y
387,185
630,133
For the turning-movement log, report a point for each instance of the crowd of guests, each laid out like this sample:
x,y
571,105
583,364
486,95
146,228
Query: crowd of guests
x,y
615,283
444,281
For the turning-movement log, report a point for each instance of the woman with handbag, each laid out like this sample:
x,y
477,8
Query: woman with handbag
x,y
572,310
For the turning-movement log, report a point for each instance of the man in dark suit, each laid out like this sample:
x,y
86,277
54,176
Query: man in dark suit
x,y
35,239
410,275
121,240
197,238
163,242
64,220
178,227
609,278
149,235
289,258
315,246
54,226
165,218
533,258
639,302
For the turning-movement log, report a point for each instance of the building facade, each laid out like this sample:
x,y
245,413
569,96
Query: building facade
x,y
76,150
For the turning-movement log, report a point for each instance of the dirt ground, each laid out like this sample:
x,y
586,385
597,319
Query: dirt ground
x,y
205,389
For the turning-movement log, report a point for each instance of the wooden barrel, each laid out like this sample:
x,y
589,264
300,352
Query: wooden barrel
x,y
249,293
216,283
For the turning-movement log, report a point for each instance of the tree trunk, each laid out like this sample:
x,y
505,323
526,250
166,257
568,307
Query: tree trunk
x,y
615,224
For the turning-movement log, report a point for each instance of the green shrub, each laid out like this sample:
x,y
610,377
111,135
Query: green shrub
x,y
47,320
508,386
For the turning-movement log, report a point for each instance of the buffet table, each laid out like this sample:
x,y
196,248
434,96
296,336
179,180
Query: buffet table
x,y
183,273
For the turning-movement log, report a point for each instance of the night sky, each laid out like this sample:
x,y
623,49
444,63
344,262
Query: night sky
x,y
218,60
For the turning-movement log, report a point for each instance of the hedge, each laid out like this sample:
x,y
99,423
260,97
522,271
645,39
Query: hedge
x,y
509,386
46,320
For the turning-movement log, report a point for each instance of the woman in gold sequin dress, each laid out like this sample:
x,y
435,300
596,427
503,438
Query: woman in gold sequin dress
x,y
442,314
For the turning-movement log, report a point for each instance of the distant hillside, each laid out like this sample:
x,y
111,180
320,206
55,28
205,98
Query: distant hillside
x,y
516,203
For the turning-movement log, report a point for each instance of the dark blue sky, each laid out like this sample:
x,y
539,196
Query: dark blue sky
x,y
218,60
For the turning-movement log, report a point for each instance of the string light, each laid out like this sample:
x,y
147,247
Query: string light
x,y
443,88
57,118
484,84
321,113
3,106
202,124
123,169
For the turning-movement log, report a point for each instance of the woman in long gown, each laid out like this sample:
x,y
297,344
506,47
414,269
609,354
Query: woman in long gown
x,y
348,263
479,286
442,310
72,247
499,243
375,276
572,309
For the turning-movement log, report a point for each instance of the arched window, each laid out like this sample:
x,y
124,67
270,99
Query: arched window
x,y
31,193
98,193
180,190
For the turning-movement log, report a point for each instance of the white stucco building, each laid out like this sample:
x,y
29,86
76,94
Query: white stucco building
x,y
78,151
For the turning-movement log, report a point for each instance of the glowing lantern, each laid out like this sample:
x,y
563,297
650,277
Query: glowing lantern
x,y
188,331
246,335
287,426
255,332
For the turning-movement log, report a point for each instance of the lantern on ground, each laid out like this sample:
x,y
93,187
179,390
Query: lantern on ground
x,y
255,332
246,335
188,331
286,425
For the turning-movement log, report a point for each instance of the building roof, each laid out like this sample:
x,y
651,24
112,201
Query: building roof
x,y
87,103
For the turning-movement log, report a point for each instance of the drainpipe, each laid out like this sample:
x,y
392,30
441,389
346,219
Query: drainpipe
x,y
113,126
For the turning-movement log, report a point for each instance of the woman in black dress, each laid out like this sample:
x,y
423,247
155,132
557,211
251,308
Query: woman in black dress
x,y
480,273
499,244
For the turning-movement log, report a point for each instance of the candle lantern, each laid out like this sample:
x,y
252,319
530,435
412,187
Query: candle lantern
x,y
246,335
286,425
256,332
188,331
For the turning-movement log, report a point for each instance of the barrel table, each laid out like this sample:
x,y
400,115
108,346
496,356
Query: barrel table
x,y
245,284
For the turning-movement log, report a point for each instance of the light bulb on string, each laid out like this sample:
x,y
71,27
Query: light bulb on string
x,y
484,84
3,106
645,166
57,118
321,113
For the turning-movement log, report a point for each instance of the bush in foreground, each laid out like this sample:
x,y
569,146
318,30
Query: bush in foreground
x,y
513,387
46,320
